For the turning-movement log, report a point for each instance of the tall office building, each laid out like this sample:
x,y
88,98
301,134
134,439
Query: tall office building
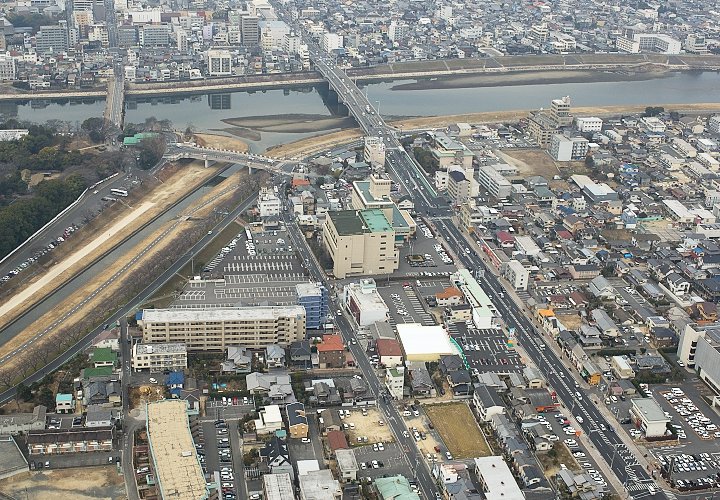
x,y
249,31
154,35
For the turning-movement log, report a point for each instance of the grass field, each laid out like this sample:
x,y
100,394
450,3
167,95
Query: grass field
x,y
456,425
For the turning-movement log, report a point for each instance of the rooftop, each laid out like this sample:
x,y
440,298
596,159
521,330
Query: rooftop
x,y
160,348
499,480
177,468
650,409
269,313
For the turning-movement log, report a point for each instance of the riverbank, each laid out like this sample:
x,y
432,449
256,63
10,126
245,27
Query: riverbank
x,y
292,123
316,144
518,78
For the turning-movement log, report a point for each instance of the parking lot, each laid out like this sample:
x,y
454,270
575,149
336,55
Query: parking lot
x,y
390,461
425,245
488,351
215,409
686,471
405,304
212,441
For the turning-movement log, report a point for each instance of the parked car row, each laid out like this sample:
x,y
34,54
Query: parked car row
x,y
696,419
39,253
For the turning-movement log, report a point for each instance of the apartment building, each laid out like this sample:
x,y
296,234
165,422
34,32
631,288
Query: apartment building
x,y
249,31
564,148
516,274
314,298
8,71
494,182
588,124
159,357
218,329
219,62
374,151
360,242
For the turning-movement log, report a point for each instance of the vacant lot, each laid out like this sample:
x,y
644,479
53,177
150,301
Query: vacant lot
x,y
457,427
96,483
369,427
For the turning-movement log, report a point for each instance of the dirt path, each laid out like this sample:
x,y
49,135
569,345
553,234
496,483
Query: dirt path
x,y
313,145
183,181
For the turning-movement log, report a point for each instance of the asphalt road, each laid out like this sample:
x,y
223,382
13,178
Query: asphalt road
x,y
632,475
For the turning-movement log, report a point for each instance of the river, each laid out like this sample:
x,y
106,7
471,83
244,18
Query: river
x,y
205,112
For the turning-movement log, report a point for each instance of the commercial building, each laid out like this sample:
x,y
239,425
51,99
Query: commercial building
x,y
218,329
447,151
364,302
277,487
588,124
269,203
496,479
424,343
494,182
249,30
375,194
374,151
360,242
649,416
313,297
177,469
593,191
394,487
564,148
159,357
51,39
483,310
347,465
154,35
516,274
395,381
13,134
319,485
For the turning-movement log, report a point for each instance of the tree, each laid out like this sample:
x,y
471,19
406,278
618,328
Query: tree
x,y
653,110
24,393
95,128
150,152
320,181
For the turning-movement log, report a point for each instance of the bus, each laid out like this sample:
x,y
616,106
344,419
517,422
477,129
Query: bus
x,y
248,235
119,192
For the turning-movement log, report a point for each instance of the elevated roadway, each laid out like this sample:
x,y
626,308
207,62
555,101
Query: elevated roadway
x,y
178,151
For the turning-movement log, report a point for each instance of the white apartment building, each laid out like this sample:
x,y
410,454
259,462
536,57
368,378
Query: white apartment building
x,y
649,42
714,124
159,357
494,182
218,329
516,274
652,124
564,148
331,41
374,151
588,124
219,62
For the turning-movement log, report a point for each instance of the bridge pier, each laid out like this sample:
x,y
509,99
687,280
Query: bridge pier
x,y
207,162
250,170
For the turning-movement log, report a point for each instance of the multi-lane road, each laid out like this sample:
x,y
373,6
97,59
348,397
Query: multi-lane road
x,y
631,474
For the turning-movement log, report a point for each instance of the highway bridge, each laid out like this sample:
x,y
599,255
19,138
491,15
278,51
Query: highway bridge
x,y
177,151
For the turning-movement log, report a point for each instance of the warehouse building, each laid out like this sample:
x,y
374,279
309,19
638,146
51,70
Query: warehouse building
x,y
425,343
364,302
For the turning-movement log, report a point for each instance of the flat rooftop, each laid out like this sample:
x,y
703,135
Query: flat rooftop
x,y
499,480
160,348
650,409
220,314
346,222
278,486
177,468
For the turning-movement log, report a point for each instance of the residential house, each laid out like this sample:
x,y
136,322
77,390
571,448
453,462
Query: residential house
x,y
275,455
297,420
275,356
238,360
389,351
301,353
331,352
487,402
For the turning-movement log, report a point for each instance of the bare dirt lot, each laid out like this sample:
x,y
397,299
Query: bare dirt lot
x,y
539,162
313,145
88,483
368,426
456,425
221,142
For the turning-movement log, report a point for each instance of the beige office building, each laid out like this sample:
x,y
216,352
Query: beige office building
x,y
218,329
360,242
